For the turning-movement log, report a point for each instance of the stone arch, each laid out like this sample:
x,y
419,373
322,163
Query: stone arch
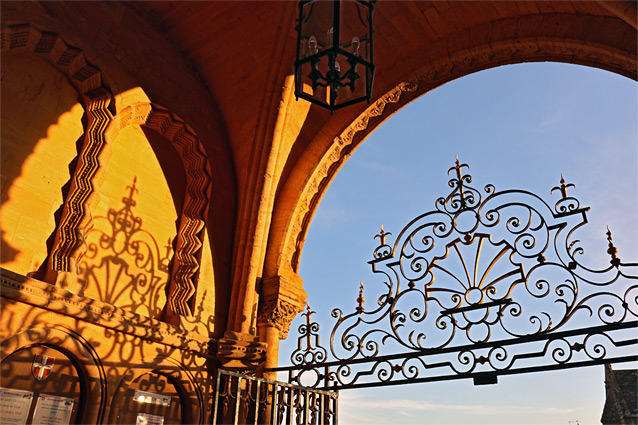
x,y
532,38
180,376
96,98
81,353
197,194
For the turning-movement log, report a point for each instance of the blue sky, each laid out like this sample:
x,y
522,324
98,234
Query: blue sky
x,y
517,126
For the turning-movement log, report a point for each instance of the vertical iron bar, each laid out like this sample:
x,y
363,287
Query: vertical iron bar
x,y
257,402
322,409
336,38
237,401
290,400
326,376
336,403
275,405
216,398
306,411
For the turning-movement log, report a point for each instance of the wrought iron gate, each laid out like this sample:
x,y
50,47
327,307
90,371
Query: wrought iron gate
x,y
242,399
486,284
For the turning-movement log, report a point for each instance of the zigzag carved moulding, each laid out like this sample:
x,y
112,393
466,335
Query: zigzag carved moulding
x,y
197,195
87,80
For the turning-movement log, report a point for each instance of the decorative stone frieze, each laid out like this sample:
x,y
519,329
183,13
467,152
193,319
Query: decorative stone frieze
x,y
53,298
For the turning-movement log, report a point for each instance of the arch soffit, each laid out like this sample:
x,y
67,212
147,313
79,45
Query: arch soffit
x,y
181,377
96,98
78,349
196,198
292,219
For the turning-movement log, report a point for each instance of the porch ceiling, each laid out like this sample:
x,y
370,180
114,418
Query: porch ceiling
x,y
243,51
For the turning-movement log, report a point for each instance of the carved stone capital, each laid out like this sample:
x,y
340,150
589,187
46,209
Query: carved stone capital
x,y
241,351
282,298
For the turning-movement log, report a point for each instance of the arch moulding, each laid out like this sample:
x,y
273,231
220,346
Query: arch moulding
x,y
196,197
294,218
68,245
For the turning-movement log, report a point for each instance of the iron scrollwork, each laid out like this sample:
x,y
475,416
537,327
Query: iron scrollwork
x,y
488,283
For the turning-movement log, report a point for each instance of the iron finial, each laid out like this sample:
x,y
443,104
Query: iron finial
x,y
308,312
308,315
360,299
382,235
612,250
459,176
563,187
457,167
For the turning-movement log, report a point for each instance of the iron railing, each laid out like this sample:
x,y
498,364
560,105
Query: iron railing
x,y
243,399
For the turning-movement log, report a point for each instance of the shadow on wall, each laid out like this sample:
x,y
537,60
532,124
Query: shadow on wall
x,y
42,129
124,265
42,370
81,386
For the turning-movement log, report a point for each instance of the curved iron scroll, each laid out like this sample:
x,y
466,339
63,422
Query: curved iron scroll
x,y
488,283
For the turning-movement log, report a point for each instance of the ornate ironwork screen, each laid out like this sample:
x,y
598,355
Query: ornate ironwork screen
x,y
487,284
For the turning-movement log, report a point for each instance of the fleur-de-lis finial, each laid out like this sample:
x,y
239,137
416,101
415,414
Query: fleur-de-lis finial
x,y
382,235
164,261
563,187
459,176
612,250
457,167
360,299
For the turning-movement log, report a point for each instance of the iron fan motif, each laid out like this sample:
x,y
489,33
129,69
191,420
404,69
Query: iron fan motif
x,y
486,284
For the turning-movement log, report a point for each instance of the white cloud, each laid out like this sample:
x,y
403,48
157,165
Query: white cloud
x,y
413,407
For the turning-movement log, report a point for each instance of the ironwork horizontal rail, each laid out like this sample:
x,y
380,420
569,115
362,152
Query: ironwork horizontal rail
x,y
597,330
476,346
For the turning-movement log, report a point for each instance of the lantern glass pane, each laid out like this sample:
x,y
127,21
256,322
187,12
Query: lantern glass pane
x,y
354,82
315,90
355,28
316,24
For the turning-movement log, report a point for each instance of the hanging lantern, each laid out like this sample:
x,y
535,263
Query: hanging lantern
x,y
334,66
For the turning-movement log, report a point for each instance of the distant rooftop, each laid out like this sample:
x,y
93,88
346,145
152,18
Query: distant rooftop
x,y
621,403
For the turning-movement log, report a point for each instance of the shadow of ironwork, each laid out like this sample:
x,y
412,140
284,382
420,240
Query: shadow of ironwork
x,y
124,265
118,318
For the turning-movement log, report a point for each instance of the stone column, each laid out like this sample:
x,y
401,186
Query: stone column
x,y
282,298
